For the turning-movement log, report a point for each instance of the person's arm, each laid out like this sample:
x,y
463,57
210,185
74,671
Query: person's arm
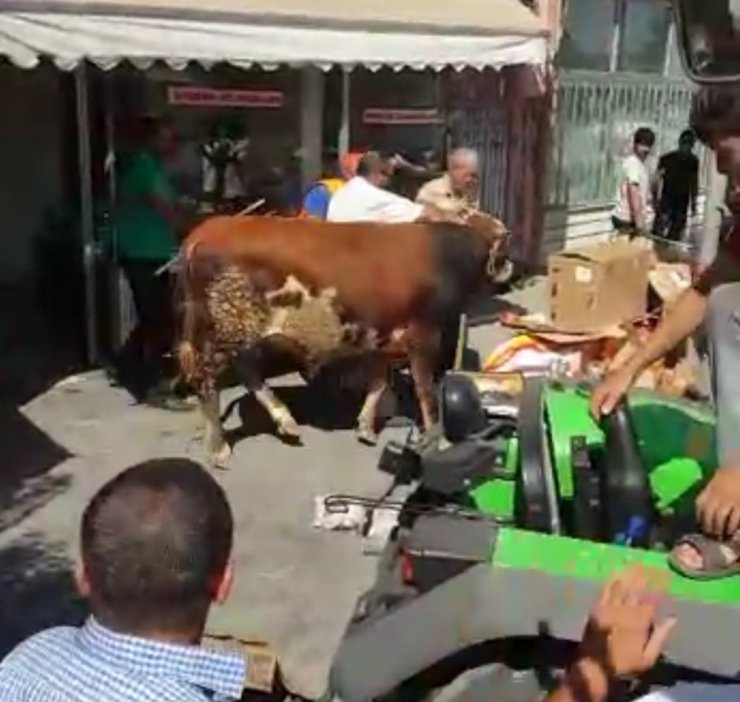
x,y
584,681
432,212
621,640
678,324
427,193
392,208
438,206
682,321
159,195
694,186
637,207
657,181
166,209
432,193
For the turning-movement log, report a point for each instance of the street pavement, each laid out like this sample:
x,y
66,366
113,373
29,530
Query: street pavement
x,y
295,585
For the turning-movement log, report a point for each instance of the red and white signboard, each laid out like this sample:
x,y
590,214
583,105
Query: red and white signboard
x,y
192,96
401,115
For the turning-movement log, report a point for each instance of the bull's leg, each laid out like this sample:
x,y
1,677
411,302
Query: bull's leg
x,y
422,373
218,448
286,425
423,350
367,419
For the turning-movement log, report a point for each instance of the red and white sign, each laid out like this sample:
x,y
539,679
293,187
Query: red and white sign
x,y
401,115
192,96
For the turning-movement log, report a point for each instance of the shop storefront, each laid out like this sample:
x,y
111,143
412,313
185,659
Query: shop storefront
x,y
239,131
400,111
282,83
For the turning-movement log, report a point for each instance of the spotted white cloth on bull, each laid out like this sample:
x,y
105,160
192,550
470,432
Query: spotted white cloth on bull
x,y
360,201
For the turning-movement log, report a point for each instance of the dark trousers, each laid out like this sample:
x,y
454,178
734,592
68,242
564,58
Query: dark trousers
x,y
142,361
622,226
670,219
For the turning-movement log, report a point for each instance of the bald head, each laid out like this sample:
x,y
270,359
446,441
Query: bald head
x,y
462,166
463,157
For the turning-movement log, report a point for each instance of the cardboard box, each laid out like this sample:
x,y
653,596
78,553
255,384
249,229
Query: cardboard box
x,y
669,281
599,286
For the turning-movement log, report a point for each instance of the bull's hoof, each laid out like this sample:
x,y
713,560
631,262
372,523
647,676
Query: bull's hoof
x,y
219,459
288,430
366,435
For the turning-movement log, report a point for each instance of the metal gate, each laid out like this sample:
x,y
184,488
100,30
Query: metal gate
x,y
477,120
597,114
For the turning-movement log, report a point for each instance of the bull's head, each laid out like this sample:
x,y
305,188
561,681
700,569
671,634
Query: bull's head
x,y
496,236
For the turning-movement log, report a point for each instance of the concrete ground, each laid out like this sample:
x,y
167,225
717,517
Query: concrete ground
x,y
295,585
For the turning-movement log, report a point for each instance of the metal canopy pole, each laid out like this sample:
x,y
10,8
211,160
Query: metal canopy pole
x,y
344,127
87,223
312,114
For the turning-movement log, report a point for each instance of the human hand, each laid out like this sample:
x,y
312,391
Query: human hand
x,y
718,505
698,269
622,636
610,392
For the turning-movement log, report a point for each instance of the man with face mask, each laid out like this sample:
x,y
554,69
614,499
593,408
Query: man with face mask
x,y
714,301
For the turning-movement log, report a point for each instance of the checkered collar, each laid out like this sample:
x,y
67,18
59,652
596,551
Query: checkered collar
x,y
216,672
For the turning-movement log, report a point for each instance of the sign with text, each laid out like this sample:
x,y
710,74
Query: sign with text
x,y
192,96
401,115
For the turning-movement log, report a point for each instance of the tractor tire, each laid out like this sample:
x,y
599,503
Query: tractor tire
x,y
491,682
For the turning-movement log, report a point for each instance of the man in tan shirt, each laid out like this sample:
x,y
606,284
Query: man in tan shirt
x,y
458,189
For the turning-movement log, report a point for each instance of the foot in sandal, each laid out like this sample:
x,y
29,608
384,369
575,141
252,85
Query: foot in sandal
x,y
701,557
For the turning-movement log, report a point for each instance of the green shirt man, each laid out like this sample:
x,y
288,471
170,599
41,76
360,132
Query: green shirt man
x,y
146,220
143,224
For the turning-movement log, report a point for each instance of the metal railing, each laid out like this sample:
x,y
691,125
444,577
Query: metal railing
x,y
597,114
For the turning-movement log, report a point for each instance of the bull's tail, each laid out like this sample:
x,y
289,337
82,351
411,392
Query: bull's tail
x,y
189,315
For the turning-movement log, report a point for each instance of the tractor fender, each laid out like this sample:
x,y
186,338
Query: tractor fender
x,y
485,604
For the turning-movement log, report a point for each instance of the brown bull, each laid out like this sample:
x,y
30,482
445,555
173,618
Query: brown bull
x,y
323,291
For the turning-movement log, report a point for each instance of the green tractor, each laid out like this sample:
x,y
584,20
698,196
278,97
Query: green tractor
x,y
518,512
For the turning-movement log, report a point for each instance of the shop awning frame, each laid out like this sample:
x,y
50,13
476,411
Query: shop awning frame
x,y
107,33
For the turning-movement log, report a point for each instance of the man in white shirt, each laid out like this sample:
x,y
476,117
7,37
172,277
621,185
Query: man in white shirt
x,y
364,199
633,191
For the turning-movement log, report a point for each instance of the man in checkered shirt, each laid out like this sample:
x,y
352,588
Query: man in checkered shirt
x,y
156,554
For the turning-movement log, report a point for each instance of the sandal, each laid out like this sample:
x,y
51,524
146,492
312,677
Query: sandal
x,y
715,565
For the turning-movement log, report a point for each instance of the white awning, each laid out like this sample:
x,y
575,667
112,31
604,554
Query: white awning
x,y
414,34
